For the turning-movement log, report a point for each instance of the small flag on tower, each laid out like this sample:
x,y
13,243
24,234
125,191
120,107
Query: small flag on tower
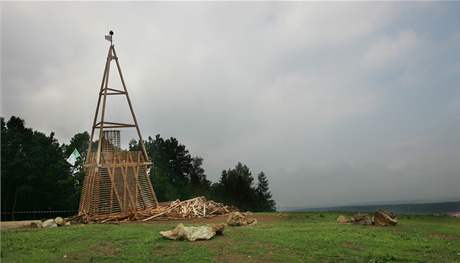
x,y
109,36
73,157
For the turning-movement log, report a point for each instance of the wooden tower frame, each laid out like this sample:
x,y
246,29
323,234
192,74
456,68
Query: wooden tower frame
x,y
116,181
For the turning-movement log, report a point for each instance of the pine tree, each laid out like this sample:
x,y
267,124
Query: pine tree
x,y
199,185
264,197
175,174
236,188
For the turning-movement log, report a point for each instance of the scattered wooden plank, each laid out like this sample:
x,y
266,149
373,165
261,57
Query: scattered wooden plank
x,y
198,207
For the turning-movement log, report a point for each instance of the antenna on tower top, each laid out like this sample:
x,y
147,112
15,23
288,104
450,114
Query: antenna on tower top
x,y
109,37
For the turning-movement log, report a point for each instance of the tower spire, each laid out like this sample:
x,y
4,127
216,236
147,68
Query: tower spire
x,y
116,181
105,91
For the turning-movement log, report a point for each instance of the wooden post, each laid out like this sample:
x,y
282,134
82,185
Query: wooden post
x,y
101,129
98,104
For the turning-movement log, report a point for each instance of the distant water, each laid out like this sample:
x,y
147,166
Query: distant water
x,y
422,209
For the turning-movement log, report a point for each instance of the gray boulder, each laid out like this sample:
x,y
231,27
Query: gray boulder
x,y
239,219
192,233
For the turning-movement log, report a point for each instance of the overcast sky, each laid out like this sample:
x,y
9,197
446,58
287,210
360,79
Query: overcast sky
x,y
338,103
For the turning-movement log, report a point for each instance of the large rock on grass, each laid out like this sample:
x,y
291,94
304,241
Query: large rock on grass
x,y
384,218
50,223
193,233
219,228
343,219
239,219
361,219
59,221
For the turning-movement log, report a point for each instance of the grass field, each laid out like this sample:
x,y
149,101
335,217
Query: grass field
x,y
286,237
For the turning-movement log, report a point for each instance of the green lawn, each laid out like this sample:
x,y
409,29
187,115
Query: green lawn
x,y
291,237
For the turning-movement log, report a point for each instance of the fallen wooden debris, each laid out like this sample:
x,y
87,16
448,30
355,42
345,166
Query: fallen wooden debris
x,y
198,207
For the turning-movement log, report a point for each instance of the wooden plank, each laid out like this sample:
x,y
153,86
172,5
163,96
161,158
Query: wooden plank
x,y
113,188
125,174
101,129
115,90
121,125
162,213
115,93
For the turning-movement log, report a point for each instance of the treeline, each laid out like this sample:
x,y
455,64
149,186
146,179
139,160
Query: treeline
x,y
178,175
36,177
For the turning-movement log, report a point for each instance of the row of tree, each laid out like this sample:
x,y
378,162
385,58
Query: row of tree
x,y
36,177
178,175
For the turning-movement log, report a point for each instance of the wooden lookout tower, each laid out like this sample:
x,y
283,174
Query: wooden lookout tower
x,y
116,181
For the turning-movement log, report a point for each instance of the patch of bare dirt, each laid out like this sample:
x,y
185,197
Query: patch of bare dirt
x,y
4,225
266,218
443,236
230,258
352,246
106,249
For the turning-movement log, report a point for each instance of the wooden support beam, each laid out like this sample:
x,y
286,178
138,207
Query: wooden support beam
x,y
115,90
113,188
117,164
114,93
101,128
141,141
98,102
114,125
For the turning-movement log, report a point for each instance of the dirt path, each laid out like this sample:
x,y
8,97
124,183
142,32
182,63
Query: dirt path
x,y
16,224
212,220
5,225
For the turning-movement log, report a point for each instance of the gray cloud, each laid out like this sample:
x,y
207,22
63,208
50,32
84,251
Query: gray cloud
x,y
337,102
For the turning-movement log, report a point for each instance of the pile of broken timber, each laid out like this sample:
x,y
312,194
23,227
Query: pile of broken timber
x,y
198,207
